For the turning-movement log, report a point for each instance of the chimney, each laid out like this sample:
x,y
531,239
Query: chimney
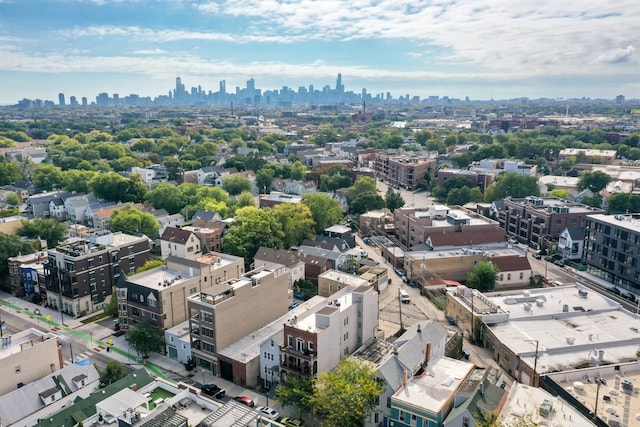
x,y
405,377
427,357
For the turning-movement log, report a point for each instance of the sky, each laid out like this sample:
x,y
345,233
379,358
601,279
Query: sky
x,y
484,49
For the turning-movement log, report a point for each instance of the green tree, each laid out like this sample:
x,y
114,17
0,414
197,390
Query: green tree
x,y
295,390
151,264
623,203
245,199
12,199
111,373
483,277
264,179
515,185
166,196
9,171
305,287
145,337
46,177
462,160
236,184
594,181
251,229
393,200
325,210
130,220
77,180
297,222
560,193
298,170
459,196
47,229
476,195
344,396
116,188
111,309
11,246
363,196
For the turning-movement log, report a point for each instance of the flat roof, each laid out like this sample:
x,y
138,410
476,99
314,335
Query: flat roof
x,y
158,278
347,279
571,326
627,221
501,249
307,319
524,400
613,399
248,347
23,339
436,386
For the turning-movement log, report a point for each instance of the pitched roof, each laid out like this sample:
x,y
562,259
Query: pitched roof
x,y
280,256
176,235
469,236
511,263
576,233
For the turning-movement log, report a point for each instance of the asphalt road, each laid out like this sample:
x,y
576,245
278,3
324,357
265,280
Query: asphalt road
x,y
411,199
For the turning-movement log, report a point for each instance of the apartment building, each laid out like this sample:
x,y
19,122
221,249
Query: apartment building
x,y
611,250
161,294
587,155
440,226
27,356
16,277
225,312
80,275
482,178
538,221
403,170
316,341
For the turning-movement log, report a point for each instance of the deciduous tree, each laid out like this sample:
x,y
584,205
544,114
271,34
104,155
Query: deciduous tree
x,y
111,373
296,221
145,337
325,210
393,200
131,220
344,396
483,277
236,184
251,229
11,246
46,229
594,181
47,177
166,196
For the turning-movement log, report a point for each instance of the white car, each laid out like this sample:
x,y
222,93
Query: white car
x,y
268,412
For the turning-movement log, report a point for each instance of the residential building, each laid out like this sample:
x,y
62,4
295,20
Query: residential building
x,y
275,198
441,227
80,275
611,250
571,243
76,206
178,342
477,401
403,170
210,237
99,216
33,280
161,294
290,259
27,356
16,279
342,232
255,357
318,260
481,178
166,220
179,242
375,222
316,341
587,155
417,349
25,406
538,222
331,281
38,204
227,311
505,165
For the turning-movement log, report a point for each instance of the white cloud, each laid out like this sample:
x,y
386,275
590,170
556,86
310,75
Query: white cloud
x,y
618,55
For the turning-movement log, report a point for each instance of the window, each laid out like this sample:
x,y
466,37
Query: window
x,y
152,302
299,344
90,262
193,290
346,321
346,336
289,341
310,345
207,317
18,369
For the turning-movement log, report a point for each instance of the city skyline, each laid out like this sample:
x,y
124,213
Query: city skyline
x,y
482,49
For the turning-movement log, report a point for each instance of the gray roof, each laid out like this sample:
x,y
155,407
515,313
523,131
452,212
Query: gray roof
x,y
231,414
482,397
318,252
576,233
24,401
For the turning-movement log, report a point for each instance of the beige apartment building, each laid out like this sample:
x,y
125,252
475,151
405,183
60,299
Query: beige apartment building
x,y
225,312
161,294
27,356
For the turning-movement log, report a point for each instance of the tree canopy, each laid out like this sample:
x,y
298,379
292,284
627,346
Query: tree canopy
x,y
145,337
131,221
483,277
112,372
515,185
344,396
251,229
166,196
47,229
236,184
297,223
393,200
363,196
594,181
325,210
11,246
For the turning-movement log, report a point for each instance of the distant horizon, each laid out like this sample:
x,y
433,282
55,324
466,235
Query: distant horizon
x,y
483,49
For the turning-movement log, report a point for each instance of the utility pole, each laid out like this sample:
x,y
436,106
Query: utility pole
x,y
400,309
535,363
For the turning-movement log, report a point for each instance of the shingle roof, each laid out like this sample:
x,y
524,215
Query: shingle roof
x,y
511,263
176,235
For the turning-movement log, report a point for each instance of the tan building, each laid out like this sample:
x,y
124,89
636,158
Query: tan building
x,y
27,356
161,294
586,155
11,224
403,170
332,281
222,314
179,242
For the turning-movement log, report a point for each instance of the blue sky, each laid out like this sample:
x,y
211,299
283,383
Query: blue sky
x,y
478,48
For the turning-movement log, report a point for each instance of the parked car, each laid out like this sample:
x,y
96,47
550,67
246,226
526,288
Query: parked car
x,y
213,390
291,422
270,413
537,255
293,305
559,263
245,401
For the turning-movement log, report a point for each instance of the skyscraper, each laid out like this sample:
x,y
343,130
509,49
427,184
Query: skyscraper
x,y
339,85
61,99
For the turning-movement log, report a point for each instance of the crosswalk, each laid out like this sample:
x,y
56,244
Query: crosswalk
x,y
77,357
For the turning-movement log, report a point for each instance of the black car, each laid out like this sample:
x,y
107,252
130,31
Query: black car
x,y
213,391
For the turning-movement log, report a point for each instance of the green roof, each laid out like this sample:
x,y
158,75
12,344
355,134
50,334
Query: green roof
x,y
87,407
